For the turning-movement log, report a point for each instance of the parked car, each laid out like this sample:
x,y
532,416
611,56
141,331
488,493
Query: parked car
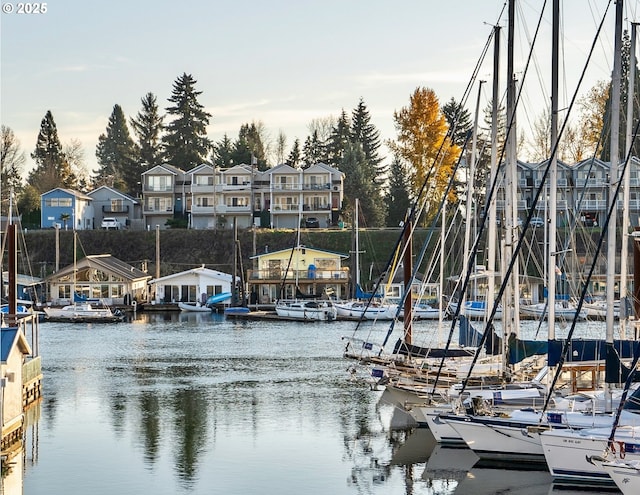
x,y
536,222
110,223
312,223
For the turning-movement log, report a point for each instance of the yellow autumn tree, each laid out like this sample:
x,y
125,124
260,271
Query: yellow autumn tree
x,y
422,132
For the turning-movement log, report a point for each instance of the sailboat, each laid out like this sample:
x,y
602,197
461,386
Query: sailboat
x,y
82,310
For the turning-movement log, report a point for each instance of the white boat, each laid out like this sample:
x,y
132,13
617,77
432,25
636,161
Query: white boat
x,y
83,312
572,455
475,309
423,312
195,307
625,474
598,309
563,311
306,309
359,309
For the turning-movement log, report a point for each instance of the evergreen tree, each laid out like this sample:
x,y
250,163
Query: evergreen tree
x,y
459,121
147,126
295,156
339,138
398,198
358,184
606,128
52,167
117,155
222,154
12,160
185,143
365,133
250,144
313,150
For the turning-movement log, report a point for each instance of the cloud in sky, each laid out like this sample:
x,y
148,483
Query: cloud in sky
x,y
281,62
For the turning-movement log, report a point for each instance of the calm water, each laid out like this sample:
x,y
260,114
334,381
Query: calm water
x,y
195,404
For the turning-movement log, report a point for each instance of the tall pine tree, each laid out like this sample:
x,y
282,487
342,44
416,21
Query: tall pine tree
x,y
313,150
185,142
147,126
222,155
52,167
606,128
295,156
365,133
118,155
398,198
358,185
338,139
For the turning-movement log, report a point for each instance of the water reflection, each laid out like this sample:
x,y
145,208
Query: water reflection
x,y
172,403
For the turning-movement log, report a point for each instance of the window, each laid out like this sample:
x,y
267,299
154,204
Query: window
x,y
204,180
159,182
117,205
57,202
159,204
204,201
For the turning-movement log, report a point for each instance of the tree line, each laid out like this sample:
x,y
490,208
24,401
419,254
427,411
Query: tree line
x,y
430,140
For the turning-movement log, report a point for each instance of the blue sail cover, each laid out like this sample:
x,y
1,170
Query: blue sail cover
x,y
360,294
579,350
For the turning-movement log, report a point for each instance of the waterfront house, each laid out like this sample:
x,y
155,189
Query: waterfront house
x,y
98,277
111,203
194,285
165,190
66,209
14,348
303,194
303,269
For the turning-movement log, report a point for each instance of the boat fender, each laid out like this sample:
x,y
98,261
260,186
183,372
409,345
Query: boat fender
x,y
134,305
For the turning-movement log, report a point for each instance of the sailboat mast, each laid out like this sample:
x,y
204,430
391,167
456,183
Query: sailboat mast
x,y
356,249
553,177
613,180
491,234
408,276
469,198
511,306
626,183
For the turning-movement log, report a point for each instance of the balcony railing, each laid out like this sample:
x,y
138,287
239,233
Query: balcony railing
x,y
287,208
152,188
287,187
111,209
305,275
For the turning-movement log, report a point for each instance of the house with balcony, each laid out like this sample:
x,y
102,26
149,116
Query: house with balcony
x,y
564,191
592,190
297,195
204,188
109,202
302,269
66,209
166,193
236,197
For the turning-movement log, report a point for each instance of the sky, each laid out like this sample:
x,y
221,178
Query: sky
x,y
279,62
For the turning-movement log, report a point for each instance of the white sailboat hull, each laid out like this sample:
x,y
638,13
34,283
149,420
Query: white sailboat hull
x,y
568,452
625,474
306,310
562,312
359,309
81,312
